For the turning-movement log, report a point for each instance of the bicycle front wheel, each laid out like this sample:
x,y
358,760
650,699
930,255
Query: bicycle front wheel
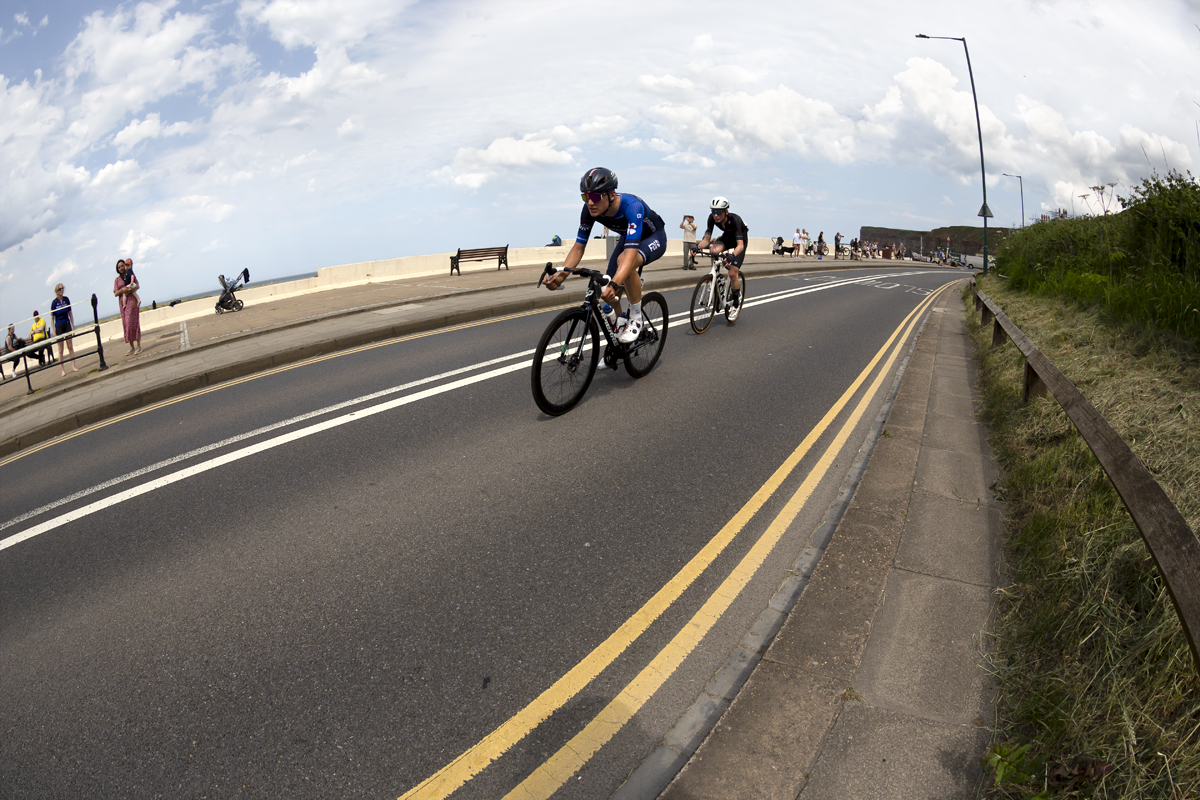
x,y
732,312
565,361
703,306
642,355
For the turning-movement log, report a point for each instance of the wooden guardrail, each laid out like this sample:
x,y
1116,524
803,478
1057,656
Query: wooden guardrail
x,y
1171,542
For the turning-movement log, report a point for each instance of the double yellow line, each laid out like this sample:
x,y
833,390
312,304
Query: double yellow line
x,y
551,775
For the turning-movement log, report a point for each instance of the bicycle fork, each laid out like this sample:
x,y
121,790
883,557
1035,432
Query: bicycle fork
x,y
573,360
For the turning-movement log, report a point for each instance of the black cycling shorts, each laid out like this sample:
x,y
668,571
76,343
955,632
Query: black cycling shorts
x,y
730,245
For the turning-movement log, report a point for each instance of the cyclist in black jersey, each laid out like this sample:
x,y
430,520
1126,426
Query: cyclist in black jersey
x,y
643,239
734,236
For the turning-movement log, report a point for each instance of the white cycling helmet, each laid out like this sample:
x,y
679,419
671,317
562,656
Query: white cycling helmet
x,y
719,204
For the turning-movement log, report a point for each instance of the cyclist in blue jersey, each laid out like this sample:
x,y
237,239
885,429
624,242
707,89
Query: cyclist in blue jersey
x,y
643,239
734,236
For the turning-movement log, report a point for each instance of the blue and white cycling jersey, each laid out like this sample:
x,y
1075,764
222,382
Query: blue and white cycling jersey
x,y
634,221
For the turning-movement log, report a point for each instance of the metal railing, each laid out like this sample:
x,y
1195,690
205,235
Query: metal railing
x,y
33,349
1171,542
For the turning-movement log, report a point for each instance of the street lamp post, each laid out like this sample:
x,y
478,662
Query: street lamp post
x,y
1020,183
984,212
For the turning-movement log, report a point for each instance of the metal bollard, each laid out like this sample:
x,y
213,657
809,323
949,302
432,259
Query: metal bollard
x,y
99,346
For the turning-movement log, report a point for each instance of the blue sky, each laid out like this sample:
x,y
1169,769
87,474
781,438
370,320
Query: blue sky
x,y
287,135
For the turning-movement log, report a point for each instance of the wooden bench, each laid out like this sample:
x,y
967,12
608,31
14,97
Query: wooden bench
x,y
480,254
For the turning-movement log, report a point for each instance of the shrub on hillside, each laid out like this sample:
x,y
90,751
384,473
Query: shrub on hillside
x,y
1141,265
1164,222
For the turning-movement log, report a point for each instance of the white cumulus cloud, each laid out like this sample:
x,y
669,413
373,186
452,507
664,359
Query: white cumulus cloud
x,y
472,167
149,128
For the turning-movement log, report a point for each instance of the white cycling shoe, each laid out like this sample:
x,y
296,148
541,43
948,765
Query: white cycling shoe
x,y
633,329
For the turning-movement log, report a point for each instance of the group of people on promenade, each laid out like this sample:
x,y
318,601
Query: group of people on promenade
x,y
39,331
804,245
62,311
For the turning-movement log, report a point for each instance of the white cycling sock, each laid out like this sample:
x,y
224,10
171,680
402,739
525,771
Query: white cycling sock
x,y
635,309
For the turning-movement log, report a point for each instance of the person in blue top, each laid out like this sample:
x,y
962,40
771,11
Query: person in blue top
x,y
643,239
64,322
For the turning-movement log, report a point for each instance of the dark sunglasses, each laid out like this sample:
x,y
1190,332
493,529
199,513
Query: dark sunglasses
x,y
592,197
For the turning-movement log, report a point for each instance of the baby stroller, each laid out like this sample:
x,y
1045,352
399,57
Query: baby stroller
x,y
781,249
227,302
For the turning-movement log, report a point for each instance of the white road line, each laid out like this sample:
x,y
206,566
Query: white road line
x,y
258,432
253,449
313,429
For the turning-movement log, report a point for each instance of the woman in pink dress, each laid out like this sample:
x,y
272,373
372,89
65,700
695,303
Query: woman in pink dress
x,y
125,289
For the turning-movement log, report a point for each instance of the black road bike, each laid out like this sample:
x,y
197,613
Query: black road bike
x,y
566,356
714,294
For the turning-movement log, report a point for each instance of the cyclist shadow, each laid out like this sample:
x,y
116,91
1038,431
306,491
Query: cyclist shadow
x,y
605,382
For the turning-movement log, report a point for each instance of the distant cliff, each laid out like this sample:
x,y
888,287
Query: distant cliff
x,y
963,238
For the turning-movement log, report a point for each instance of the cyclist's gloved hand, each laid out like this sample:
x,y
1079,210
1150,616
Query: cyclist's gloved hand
x,y
609,294
553,278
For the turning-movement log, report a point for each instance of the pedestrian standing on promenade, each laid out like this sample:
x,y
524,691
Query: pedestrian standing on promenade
x,y
13,343
797,244
125,289
820,244
806,239
837,245
39,332
64,322
689,241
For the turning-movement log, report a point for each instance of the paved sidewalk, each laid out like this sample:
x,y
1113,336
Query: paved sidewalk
x,y
202,352
875,686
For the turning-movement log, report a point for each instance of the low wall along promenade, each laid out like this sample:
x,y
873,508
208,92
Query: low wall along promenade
x,y
381,271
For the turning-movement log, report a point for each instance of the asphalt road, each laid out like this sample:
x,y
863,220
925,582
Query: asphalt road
x,y
344,605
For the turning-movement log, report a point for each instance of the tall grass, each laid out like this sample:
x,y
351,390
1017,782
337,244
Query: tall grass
x,y
1099,696
1140,265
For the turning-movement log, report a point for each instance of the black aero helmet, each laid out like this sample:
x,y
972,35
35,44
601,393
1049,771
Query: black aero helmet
x,y
598,179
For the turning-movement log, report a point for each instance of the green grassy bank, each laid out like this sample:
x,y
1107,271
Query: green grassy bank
x,y
1098,691
1140,265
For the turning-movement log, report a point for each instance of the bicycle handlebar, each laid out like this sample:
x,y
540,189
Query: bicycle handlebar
x,y
722,256
596,275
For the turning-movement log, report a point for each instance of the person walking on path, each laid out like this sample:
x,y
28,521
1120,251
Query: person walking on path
x,y
689,241
820,244
797,244
837,245
125,290
64,322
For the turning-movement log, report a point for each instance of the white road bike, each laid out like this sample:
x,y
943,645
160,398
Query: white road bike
x,y
714,294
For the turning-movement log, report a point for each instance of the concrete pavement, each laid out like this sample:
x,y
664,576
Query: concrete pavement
x,y
874,685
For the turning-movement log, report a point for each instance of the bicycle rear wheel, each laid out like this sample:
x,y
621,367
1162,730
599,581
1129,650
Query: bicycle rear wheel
x,y
642,355
732,312
565,361
703,306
